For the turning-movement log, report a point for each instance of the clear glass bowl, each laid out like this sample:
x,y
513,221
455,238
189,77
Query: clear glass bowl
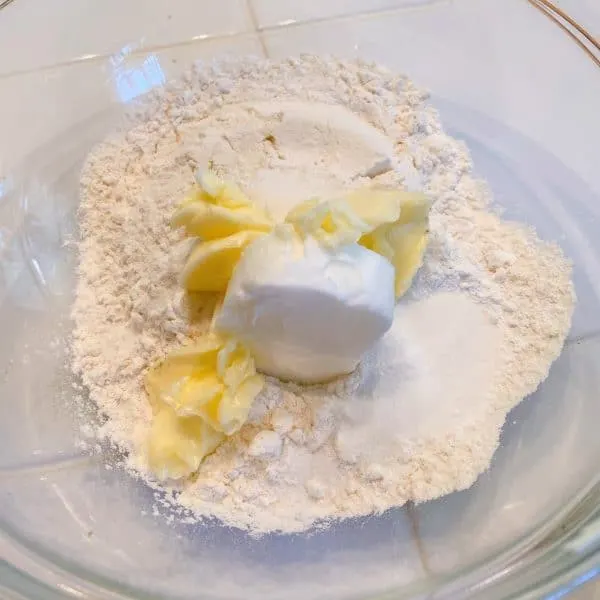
x,y
524,97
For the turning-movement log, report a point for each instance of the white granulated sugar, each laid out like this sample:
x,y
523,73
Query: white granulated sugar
x,y
421,416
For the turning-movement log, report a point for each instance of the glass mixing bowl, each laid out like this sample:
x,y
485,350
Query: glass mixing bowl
x,y
525,99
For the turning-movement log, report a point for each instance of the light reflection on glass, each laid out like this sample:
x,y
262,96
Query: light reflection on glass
x,y
87,56
573,585
133,81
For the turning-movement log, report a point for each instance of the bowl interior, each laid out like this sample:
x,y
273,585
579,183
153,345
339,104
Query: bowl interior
x,y
61,506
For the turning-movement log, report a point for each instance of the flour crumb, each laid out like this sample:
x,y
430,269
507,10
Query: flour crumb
x,y
266,444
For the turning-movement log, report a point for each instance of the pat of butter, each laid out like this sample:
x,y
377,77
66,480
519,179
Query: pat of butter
x,y
177,445
225,220
200,394
217,209
332,223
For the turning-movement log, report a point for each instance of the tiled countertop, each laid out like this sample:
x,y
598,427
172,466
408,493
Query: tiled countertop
x,y
37,35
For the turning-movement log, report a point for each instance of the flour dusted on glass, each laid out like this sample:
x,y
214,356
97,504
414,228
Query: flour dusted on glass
x,y
421,416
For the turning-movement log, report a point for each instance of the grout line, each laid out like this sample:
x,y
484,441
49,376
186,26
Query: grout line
x,y
361,14
94,58
416,534
231,35
257,29
45,466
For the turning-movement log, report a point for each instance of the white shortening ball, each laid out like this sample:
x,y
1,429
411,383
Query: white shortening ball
x,y
306,313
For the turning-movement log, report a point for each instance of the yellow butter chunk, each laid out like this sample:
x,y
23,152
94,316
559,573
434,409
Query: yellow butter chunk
x,y
216,203
210,264
218,191
211,221
184,390
218,208
332,223
234,408
177,445
234,363
196,375
403,241
229,412
376,206
225,220
199,394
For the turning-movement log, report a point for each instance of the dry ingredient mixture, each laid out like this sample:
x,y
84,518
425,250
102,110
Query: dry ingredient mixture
x,y
421,415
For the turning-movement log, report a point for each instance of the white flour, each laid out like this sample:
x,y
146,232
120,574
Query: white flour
x,y
421,417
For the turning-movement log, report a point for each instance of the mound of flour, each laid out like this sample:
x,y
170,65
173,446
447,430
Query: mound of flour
x,y
487,314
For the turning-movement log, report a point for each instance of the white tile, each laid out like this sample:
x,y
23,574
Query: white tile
x,y
275,12
37,33
65,102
